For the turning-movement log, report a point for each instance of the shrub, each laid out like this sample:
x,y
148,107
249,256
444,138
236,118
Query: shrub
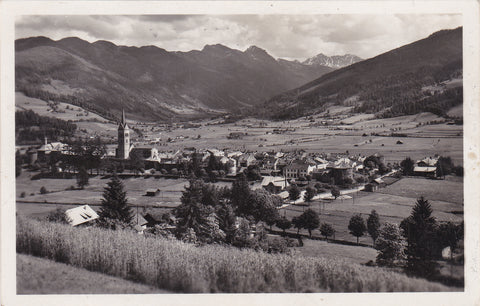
x,y
58,215
43,190
182,267
22,195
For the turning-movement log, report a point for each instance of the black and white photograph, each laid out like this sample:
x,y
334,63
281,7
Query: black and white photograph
x,y
255,152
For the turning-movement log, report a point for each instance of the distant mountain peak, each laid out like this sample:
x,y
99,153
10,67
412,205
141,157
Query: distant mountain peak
x,y
258,53
215,47
335,61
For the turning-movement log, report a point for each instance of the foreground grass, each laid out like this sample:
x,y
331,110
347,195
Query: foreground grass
x,y
42,276
181,267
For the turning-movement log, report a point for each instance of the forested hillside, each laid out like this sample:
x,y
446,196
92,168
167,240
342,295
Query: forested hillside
x,y
422,76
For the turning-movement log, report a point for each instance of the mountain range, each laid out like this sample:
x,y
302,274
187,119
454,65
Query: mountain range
x,y
150,82
425,75
335,61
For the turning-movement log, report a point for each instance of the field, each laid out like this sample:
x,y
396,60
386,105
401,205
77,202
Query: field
x,y
169,196
323,249
180,267
42,276
393,204
422,141
93,123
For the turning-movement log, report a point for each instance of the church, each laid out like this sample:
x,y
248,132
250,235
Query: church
x,y
124,144
125,148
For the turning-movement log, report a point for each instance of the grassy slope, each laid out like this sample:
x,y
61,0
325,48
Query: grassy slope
x,y
42,276
180,267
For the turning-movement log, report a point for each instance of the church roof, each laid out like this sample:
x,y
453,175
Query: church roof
x,y
123,124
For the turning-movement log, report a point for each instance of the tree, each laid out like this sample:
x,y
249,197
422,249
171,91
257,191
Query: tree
x,y
271,216
260,205
294,193
82,177
335,191
114,202
283,224
192,213
297,222
356,226
310,220
43,190
389,244
240,194
373,225
407,166
137,162
310,192
253,173
419,230
327,230
449,234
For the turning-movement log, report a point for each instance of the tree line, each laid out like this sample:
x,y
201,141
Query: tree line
x,y
30,126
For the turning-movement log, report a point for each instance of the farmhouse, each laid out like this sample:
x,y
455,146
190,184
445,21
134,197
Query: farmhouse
x,y
426,167
80,215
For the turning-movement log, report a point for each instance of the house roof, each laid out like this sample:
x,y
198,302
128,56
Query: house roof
x,y
81,214
424,169
139,219
429,161
275,180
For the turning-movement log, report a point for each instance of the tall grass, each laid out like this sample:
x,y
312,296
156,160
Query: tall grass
x,y
181,267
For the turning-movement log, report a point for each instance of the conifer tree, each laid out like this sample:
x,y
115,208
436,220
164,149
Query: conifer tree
x,y
419,230
114,202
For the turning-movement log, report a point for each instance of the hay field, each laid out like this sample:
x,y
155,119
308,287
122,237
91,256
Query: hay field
x,y
180,267
42,276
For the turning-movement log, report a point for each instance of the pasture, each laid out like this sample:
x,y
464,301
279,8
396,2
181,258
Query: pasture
x,y
393,204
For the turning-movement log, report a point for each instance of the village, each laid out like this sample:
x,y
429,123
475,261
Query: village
x,y
320,178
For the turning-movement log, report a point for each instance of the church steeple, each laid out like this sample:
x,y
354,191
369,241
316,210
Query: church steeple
x,y
123,150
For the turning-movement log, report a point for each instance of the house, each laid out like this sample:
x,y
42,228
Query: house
x,y
297,169
268,165
341,169
152,192
50,149
425,171
140,223
80,215
371,187
274,184
247,160
426,167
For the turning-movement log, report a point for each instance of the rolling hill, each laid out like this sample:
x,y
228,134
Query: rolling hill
x,y
150,82
404,81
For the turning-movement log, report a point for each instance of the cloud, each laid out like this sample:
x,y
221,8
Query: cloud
x,y
285,36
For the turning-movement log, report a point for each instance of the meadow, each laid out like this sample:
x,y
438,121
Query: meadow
x,y
42,276
180,267
393,203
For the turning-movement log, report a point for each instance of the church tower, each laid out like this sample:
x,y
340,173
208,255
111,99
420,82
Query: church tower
x,y
123,149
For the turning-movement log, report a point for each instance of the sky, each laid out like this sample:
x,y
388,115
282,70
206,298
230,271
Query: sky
x,y
283,36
